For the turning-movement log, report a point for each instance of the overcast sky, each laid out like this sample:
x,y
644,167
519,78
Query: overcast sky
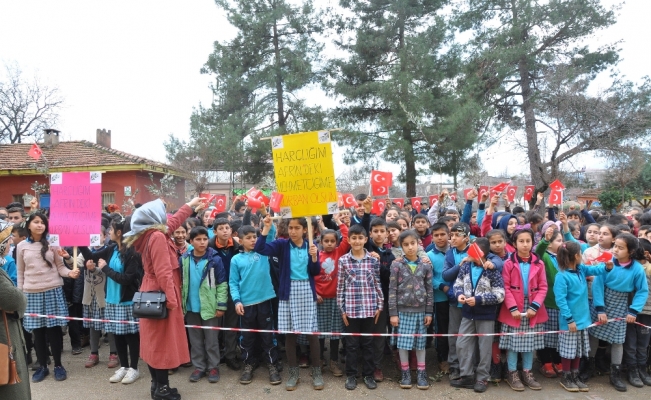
x,y
133,66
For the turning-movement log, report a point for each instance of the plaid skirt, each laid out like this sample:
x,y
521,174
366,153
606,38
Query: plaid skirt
x,y
120,312
551,339
616,305
329,318
410,323
50,302
93,311
299,312
522,343
574,344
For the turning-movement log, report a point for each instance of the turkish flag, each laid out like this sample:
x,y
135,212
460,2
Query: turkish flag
x,y
264,199
482,190
605,257
510,193
35,152
466,192
475,252
253,203
214,213
253,193
415,203
556,185
378,206
380,182
433,199
399,202
220,202
453,196
528,192
555,198
205,197
500,187
340,199
276,199
349,200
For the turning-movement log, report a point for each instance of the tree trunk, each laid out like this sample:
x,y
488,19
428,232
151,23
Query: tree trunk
x,y
279,80
410,162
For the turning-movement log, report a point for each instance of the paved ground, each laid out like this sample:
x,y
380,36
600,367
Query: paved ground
x,y
90,384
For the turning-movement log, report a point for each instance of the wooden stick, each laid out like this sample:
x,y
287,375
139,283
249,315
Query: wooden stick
x,y
329,130
310,235
74,258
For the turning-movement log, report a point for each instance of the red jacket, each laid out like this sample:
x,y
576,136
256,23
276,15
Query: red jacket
x,y
513,290
163,342
326,281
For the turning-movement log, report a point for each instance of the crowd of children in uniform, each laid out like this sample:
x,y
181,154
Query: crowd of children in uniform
x,y
402,272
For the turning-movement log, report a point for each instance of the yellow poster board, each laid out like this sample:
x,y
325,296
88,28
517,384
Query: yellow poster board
x,y
305,174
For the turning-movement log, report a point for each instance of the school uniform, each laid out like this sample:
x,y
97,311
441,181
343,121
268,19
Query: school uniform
x,y
441,304
452,264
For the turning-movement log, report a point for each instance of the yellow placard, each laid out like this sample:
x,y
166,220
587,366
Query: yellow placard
x,y
305,174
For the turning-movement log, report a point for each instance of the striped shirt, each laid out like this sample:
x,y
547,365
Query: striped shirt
x,y
359,294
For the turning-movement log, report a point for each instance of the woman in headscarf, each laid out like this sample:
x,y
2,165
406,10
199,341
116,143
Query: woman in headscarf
x,y
164,343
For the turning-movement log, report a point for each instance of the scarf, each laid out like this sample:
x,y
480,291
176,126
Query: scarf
x,y
150,214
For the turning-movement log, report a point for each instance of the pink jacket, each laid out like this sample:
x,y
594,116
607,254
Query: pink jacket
x,y
513,290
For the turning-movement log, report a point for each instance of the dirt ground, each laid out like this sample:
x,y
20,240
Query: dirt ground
x,y
93,383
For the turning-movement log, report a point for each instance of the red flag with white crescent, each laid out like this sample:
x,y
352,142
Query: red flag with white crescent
x,y
380,182
528,192
378,206
510,192
416,203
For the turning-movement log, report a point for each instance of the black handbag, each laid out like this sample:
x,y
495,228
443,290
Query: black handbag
x,y
151,305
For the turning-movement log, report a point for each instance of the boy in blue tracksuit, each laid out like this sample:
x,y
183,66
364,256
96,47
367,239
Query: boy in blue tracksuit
x,y
252,291
204,292
480,289
440,245
459,238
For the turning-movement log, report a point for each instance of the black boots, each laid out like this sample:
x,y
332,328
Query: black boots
x,y
615,379
601,363
586,368
634,376
644,376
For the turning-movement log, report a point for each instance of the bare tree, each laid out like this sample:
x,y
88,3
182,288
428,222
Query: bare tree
x,y
26,107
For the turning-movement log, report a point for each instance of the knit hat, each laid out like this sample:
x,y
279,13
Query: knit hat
x,y
550,223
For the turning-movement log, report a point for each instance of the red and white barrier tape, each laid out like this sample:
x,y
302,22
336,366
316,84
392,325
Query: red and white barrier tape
x,y
218,328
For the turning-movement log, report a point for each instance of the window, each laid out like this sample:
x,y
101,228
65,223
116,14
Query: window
x,y
107,198
18,198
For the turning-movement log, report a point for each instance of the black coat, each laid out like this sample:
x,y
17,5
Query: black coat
x,y
130,278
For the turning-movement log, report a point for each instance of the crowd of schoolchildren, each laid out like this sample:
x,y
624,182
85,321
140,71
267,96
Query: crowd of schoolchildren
x,y
479,271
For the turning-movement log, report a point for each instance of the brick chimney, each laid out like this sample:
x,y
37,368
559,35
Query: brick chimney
x,y
103,138
50,137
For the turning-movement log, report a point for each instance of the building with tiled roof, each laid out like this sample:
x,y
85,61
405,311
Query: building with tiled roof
x,y
123,173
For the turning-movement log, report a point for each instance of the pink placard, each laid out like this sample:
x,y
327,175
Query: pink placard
x,y
75,208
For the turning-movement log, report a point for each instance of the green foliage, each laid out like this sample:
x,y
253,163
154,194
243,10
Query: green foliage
x,y
612,199
400,101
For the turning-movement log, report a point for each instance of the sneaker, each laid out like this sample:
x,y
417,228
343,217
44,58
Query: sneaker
x,y
421,380
334,368
93,360
558,368
351,383
465,382
60,373
454,374
213,375
567,382
303,361
247,374
576,377
378,376
113,361
132,376
480,386
118,375
530,381
40,374
77,351
233,364
495,373
444,367
317,378
513,379
405,380
197,375
547,370
274,375
293,379
370,382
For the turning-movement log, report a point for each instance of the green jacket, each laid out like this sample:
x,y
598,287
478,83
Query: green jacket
x,y
213,292
550,271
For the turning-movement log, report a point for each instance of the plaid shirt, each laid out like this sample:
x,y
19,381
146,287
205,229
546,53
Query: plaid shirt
x,y
359,294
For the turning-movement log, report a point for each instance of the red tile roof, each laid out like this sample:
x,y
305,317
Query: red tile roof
x,y
75,154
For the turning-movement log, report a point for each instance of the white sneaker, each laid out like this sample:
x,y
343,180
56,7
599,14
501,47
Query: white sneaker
x,y
132,376
118,375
